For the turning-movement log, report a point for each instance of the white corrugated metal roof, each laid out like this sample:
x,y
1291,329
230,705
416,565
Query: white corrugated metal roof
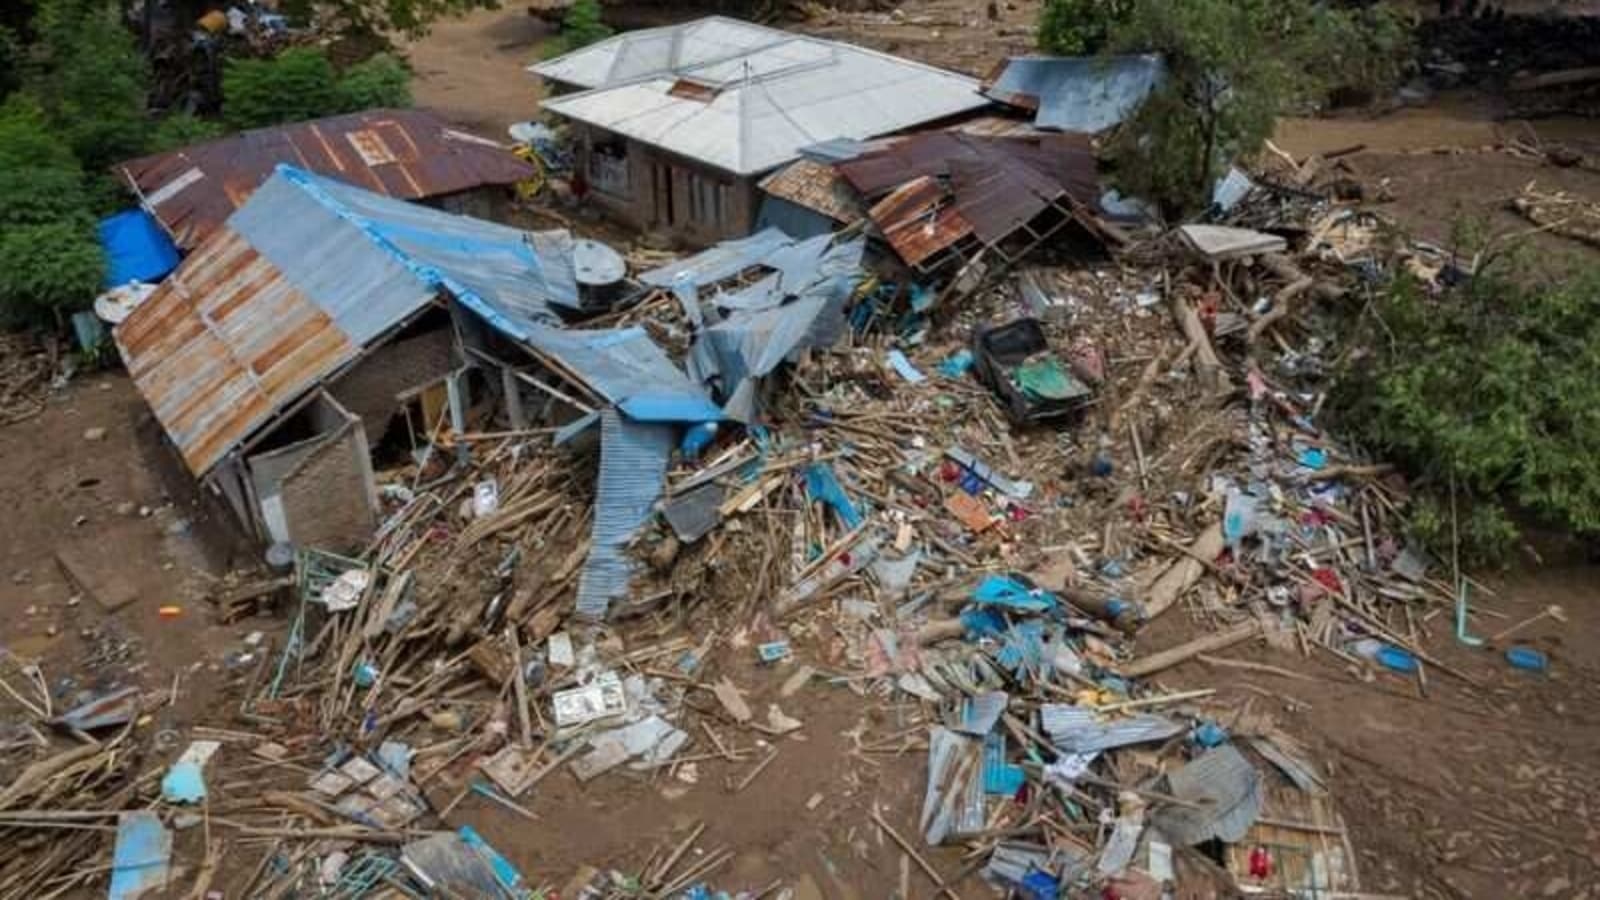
x,y
753,111
657,51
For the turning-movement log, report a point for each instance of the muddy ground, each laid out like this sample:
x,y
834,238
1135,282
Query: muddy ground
x,y
1483,787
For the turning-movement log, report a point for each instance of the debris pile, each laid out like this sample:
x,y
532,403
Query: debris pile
x,y
26,370
963,507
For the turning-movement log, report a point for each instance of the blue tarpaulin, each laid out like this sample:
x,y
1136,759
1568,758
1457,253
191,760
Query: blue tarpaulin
x,y
1001,590
136,248
822,484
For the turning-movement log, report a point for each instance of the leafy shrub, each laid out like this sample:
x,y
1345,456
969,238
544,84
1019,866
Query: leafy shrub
x,y
376,82
26,138
93,80
295,85
48,269
580,27
34,195
181,130
300,83
1232,66
1490,389
1079,27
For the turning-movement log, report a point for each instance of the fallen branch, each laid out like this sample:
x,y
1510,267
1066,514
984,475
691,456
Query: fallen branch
x,y
1166,659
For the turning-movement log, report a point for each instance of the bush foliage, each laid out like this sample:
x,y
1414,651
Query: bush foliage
x,y
48,269
50,258
300,83
1079,27
297,84
376,82
182,129
1489,390
580,27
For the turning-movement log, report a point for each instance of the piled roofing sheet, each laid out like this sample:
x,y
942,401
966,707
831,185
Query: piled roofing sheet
x,y
1087,94
754,110
291,289
944,186
404,153
633,467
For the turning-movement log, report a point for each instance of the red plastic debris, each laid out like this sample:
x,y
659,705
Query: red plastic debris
x,y
1260,863
1329,579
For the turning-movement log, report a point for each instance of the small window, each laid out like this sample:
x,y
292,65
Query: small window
x,y
608,168
693,90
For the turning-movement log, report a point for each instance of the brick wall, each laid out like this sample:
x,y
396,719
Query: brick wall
x,y
369,390
327,497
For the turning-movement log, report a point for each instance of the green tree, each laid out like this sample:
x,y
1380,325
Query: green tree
x,y
26,138
46,270
580,27
300,83
1079,27
92,80
181,130
38,195
10,61
381,81
1489,390
1232,66
297,84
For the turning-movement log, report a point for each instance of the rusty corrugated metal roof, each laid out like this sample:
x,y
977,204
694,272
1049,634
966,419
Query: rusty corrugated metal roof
x,y
404,153
918,220
949,185
818,187
224,343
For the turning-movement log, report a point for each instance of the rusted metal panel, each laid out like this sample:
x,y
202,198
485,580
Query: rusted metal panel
x,y
222,345
409,154
816,186
948,185
918,220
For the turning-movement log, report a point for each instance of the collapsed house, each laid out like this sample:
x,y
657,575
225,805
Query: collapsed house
x,y
404,153
943,199
314,318
676,126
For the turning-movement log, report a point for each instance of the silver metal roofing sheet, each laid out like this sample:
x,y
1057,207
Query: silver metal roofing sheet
x,y
1075,729
615,364
725,260
364,290
760,108
1226,793
952,807
1088,94
657,51
297,281
515,273
633,468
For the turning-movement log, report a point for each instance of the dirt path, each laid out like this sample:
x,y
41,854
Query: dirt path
x,y
472,68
